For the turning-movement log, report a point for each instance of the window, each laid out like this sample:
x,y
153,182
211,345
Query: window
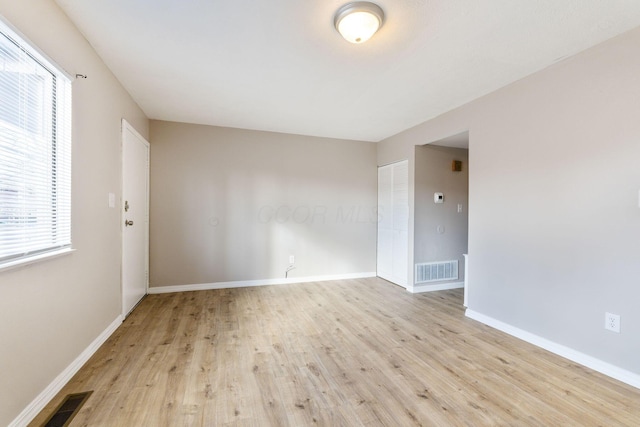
x,y
35,152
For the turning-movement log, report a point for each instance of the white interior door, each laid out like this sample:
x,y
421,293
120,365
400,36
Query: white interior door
x,y
393,224
135,217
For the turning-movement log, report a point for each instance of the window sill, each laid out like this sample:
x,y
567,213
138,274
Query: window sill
x,y
36,258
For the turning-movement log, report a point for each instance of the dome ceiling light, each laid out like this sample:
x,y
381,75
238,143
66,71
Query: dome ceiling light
x,y
358,21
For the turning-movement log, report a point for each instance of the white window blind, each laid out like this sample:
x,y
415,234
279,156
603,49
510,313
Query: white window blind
x,y
35,152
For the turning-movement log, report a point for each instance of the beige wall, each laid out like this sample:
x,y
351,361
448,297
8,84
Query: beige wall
x,y
434,174
51,311
553,196
232,205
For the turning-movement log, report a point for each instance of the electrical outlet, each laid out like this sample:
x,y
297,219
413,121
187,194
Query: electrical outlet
x,y
612,322
292,259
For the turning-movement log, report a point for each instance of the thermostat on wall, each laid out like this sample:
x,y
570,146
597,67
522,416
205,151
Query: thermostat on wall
x,y
438,197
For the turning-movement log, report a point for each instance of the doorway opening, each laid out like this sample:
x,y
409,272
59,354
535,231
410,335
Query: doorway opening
x,y
441,207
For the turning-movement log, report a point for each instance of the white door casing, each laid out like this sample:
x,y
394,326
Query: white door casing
x,y
135,217
393,222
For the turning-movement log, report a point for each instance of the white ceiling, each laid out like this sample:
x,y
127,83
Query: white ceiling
x,y
279,65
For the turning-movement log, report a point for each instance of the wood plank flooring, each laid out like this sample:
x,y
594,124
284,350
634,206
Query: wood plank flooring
x,y
344,353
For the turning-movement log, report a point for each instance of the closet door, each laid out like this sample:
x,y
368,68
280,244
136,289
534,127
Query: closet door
x,y
393,222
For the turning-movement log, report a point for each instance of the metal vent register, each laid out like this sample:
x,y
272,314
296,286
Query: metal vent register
x,y
436,271
68,409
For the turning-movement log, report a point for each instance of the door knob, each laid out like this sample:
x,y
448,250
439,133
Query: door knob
x,y
127,223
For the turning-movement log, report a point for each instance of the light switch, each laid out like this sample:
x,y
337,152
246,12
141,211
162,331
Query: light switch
x,y
112,200
459,207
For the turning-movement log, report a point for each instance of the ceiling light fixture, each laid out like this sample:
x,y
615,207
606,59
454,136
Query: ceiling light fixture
x,y
358,21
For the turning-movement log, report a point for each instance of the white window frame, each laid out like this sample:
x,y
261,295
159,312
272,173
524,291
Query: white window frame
x,y
35,160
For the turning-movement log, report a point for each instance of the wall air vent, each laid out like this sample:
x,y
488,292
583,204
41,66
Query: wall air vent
x,y
436,271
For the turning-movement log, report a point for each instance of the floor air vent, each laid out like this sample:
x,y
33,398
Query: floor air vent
x,y
436,271
67,410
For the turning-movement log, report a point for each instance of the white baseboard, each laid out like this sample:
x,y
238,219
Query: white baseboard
x,y
436,287
568,353
34,408
251,283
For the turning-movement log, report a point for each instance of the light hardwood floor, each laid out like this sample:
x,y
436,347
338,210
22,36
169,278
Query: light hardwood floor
x,y
343,353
